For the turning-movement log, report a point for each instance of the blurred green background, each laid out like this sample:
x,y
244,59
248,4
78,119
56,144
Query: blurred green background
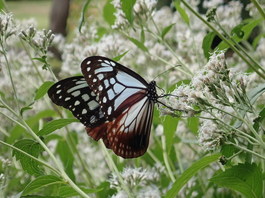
x,y
37,9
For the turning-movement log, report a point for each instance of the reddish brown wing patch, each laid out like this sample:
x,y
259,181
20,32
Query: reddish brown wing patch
x,y
127,135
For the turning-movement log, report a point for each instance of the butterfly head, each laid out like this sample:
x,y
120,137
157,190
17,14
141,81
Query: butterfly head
x,y
152,95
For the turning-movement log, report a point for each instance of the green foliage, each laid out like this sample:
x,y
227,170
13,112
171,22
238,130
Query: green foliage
x,y
166,30
207,43
189,173
82,17
54,125
241,32
108,12
28,164
170,126
42,90
66,157
42,182
138,44
67,191
127,7
182,12
32,121
117,58
244,178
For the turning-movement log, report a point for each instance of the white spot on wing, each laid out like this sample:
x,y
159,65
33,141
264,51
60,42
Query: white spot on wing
x,y
88,68
100,88
59,91
94,80
84,111
76,93
88,62
118,88
58,86
100,76
85,97
92,105
109,110
105,65
112,63
110,94
128,80
66,99
104,69
106,82
77,103
104,99
112,81
77,87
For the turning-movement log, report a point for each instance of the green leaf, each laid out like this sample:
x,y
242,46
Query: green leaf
x,y
166,30
207,43
68,191
82,17
170,125
43,89
138,44
33,122
252,95
117,58
2,4
41,182
246,30
33,148
259,119
244,178
66,157
193,124
26,108
182,12
54,125
189,173
42,59
127,8
108,12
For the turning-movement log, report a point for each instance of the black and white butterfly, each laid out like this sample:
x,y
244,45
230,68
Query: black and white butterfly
x,y
113,102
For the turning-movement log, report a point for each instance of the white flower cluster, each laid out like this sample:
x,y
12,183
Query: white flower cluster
x,y
140,181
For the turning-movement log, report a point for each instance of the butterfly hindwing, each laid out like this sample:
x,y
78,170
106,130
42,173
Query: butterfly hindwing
x,y
128,134
74,94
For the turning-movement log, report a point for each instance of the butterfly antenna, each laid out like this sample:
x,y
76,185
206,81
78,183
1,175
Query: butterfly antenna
x,y
166,71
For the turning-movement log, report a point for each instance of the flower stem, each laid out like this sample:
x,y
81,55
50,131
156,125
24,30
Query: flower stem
x,y
261,11
247,150
173,179
112,166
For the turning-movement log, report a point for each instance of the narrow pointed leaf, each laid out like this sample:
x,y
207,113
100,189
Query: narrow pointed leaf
x,y
54,125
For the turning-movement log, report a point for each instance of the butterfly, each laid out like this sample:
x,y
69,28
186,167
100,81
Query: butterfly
x,y
113,102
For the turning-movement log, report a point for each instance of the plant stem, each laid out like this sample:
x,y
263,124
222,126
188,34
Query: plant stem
x,y
224,39
10,75
33,63
261,11
112,166
247,150
163,139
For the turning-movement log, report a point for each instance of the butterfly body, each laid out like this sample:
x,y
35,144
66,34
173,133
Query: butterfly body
x,y
113,102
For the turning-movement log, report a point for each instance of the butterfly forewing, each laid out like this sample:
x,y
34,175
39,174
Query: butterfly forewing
x,y
113,83
75,95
